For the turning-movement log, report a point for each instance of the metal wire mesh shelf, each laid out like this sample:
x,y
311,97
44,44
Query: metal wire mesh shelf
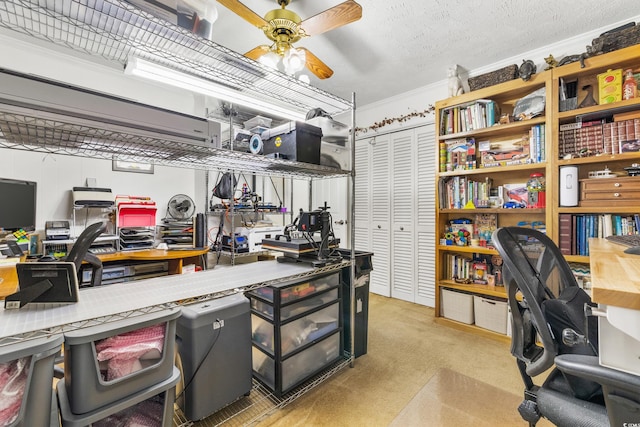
x,y
260,403
19,130
116,30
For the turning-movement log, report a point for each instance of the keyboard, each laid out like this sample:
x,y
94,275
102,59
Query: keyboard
x,y
626,239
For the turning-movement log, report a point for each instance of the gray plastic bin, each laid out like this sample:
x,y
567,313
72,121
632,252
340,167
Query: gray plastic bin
x,y
35,383
214,343
154,404
86,386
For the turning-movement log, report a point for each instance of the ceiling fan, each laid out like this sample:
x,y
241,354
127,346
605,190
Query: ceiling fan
x,y
284,27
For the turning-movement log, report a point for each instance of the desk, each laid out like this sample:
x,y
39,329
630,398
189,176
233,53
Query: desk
x,y
176,258
615,286
615,276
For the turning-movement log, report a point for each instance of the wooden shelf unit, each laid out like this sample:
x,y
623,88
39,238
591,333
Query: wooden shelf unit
x,y
505,95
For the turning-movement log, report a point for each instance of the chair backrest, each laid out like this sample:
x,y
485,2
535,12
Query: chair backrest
x,y
536,276
80,250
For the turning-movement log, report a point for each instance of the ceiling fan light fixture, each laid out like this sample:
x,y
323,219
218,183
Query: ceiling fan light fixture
x,y
294,60
270,59
148,70
304,78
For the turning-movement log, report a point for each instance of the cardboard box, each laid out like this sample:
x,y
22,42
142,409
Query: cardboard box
x,y
610,86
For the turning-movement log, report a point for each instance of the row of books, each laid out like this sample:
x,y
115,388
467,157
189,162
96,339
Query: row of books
x,y
468,270
576,229
460,192
457,192
467,153
597,137
467,117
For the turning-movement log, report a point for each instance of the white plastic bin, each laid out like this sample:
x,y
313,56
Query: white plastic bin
x,y
490,314
457,306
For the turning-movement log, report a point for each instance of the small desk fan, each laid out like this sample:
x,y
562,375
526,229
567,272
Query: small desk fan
x,y
180,207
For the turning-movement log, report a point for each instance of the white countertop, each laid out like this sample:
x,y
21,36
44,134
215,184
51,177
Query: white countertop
x,y
118,298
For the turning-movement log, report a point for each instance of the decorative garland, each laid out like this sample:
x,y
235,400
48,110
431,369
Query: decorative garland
x,y
374,127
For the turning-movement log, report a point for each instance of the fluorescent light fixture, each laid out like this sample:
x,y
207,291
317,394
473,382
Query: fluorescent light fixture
x,y
149,70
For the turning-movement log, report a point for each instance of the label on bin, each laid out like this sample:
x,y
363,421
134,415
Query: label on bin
x,y
278,141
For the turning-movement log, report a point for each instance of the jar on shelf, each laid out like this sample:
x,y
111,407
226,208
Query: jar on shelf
x,y
630,85
536,194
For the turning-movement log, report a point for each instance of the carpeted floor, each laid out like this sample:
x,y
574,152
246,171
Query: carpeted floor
x,y
415,373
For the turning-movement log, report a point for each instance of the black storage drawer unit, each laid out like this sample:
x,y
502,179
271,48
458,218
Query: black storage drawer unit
x,y
296,141
296,330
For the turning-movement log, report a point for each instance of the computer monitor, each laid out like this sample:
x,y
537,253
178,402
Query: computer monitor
x,y
18,205
44,283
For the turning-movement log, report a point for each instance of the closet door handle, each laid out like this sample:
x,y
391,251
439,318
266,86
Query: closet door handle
x,y
379,226
401,228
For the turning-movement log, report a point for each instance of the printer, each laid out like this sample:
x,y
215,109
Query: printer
x,y
93,197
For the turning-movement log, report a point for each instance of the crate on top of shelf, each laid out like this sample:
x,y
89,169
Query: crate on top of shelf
x,y
258,122
135,211
610,86
479,114
458,154
505,152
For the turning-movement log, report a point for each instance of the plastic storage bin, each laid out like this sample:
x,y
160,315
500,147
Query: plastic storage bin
x,y
296,330
214,342
26,376
294,141
151,406
122,370
490,314
457,306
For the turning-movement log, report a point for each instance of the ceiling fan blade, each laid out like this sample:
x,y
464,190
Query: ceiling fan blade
x,y
316,66
337,16
257,52
244,12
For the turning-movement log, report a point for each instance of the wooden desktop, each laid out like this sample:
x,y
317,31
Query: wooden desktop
x,y
177,260
615,275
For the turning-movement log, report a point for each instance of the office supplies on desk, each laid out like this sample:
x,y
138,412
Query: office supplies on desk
x,y
57,230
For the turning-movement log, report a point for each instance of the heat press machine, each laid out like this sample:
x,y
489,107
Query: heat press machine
x,y
308,239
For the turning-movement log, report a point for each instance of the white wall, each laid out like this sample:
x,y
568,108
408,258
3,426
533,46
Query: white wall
x,y
419,99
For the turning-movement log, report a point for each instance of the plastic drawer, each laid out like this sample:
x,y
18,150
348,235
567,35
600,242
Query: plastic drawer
x,y
151,406
299,332
28,367
264,367
309,361
296,290
296,308
150,345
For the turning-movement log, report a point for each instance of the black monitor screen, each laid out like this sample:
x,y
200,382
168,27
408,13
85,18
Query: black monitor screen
x,y
17,205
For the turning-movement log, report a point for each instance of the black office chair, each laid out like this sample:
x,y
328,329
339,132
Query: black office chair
x,y
547,305
80,252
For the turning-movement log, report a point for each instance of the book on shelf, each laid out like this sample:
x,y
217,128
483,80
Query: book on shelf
x,y
576,229
479,114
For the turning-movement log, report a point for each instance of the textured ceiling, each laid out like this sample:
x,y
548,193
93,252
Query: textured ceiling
x,y
401,45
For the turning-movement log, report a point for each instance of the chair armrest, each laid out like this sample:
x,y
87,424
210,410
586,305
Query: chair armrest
x,y
589,368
